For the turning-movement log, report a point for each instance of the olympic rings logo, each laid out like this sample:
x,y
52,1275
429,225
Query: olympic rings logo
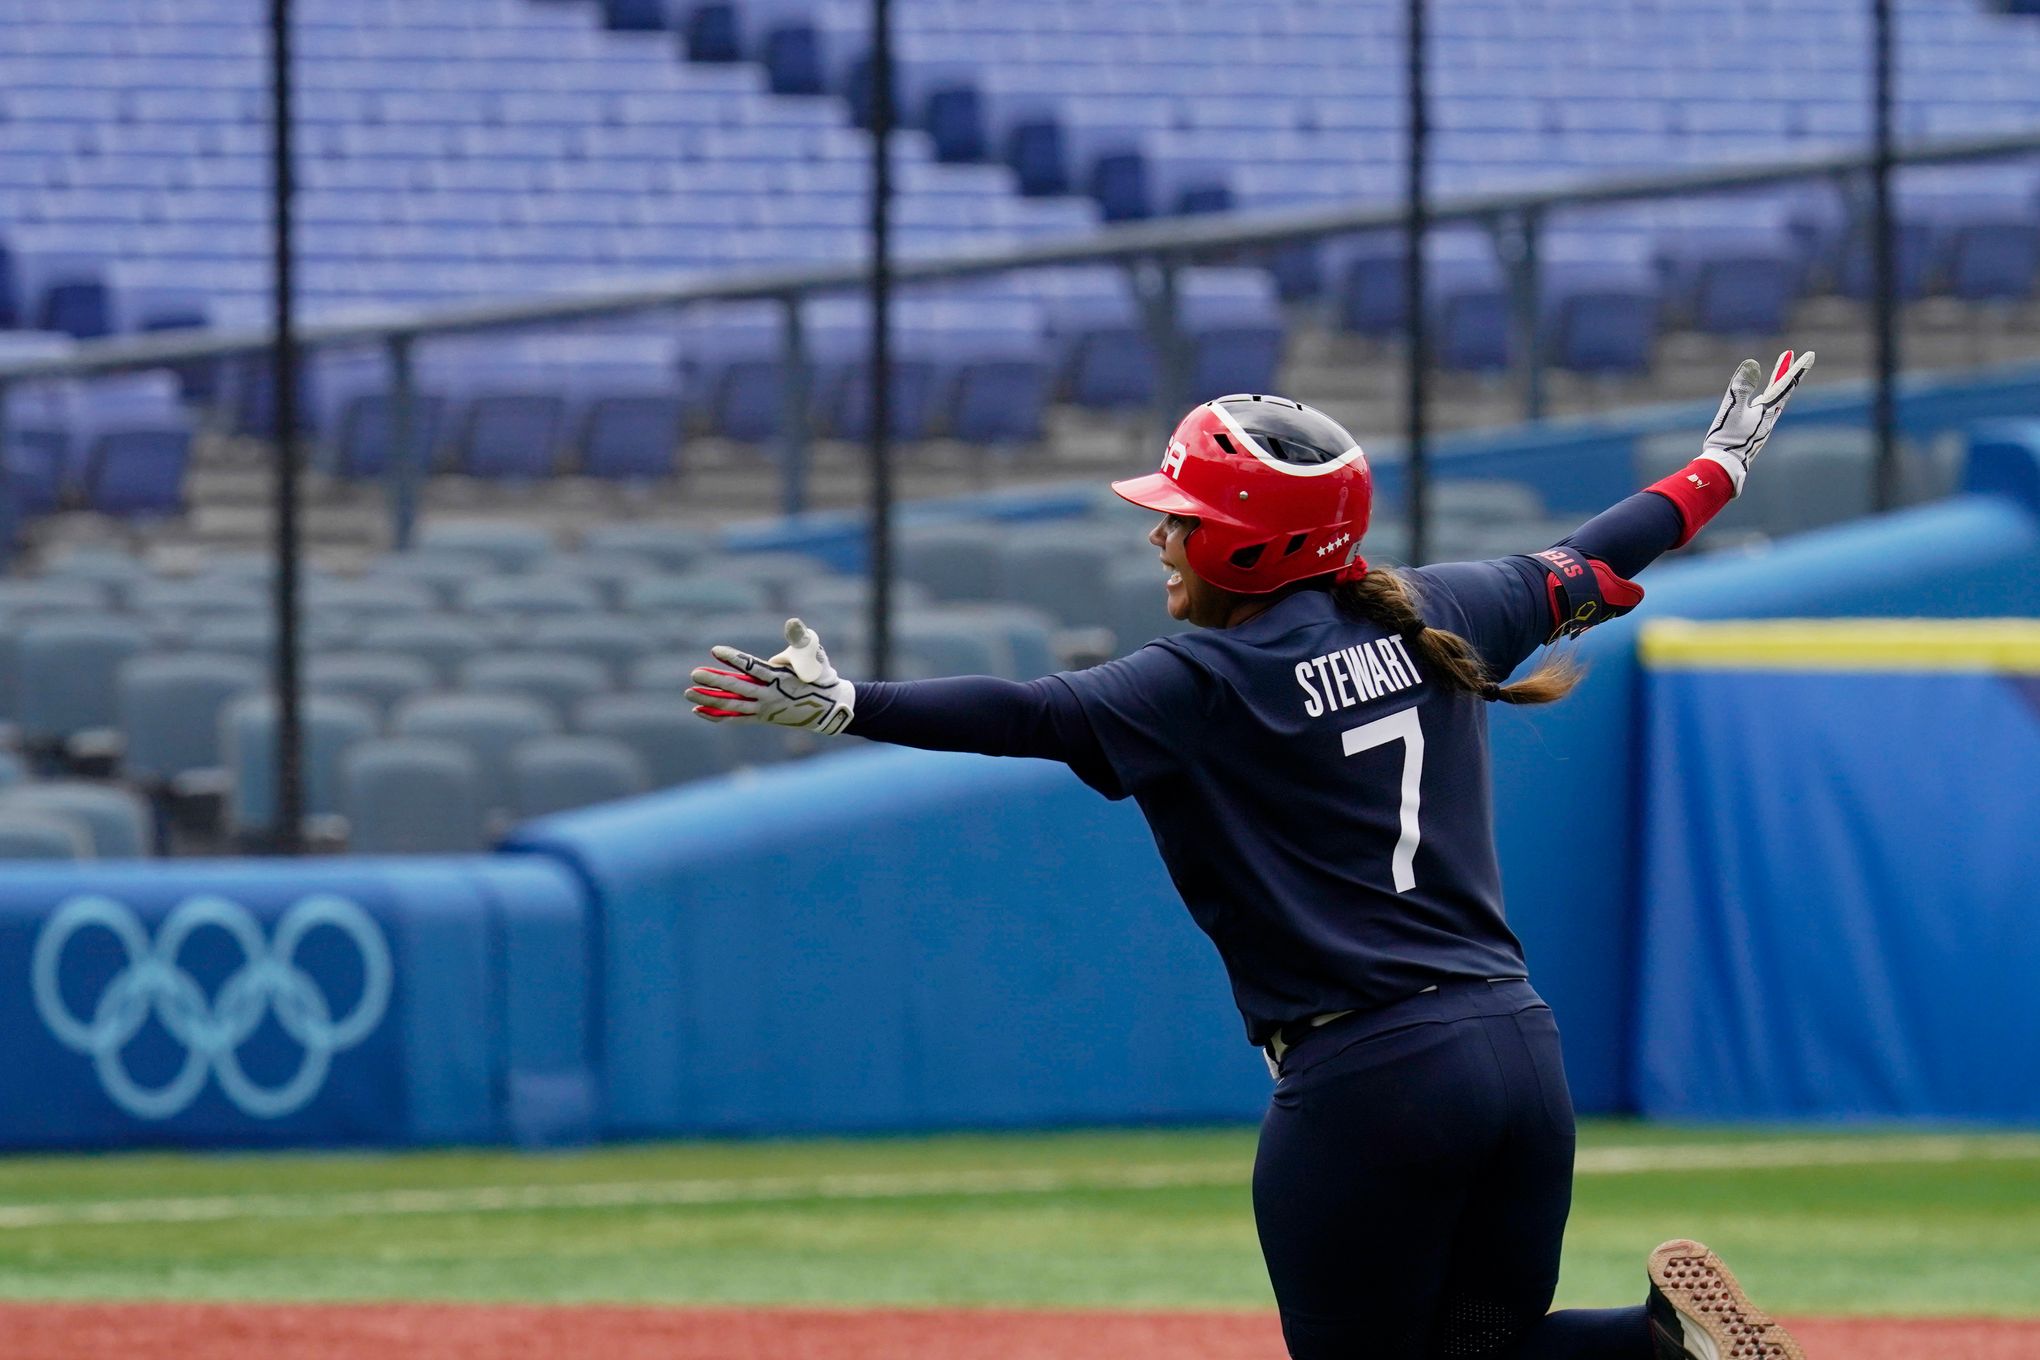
x,y
211,1030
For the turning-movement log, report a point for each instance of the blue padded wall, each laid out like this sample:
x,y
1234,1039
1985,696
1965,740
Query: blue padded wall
x,y
892,939
279,1003
1579,762
1838,925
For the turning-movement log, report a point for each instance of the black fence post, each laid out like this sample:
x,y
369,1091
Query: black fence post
x,y
1519,240
794,432
8,525
1159,292
881,337
407,466
1415,223
288,834
1884,263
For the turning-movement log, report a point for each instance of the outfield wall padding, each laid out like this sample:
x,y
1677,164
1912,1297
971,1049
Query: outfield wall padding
x,y
889,939
272,1003
1842,843
1575,899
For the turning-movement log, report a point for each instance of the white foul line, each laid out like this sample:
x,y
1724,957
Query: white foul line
x,y
488,1199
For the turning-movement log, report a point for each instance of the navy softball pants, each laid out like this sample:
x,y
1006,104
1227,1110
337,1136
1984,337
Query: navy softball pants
x,y
1412,1185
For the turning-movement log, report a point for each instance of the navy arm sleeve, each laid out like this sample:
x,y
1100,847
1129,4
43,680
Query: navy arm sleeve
x,y
1118,726
1503,607
1629,535
985,715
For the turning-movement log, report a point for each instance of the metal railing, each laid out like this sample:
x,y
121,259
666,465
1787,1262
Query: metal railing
x,y
1152,250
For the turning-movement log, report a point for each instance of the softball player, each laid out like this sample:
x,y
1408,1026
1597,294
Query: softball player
x,y
1314,765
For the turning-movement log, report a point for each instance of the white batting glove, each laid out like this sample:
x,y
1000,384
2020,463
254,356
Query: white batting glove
x,y
796,688
1746,416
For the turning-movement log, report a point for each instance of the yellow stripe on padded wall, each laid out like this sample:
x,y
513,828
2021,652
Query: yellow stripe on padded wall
x,y
2002,645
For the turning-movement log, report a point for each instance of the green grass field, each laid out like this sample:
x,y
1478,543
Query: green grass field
x,y
1829,1223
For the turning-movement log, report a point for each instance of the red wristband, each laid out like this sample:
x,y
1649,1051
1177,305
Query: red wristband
x,y
1699,490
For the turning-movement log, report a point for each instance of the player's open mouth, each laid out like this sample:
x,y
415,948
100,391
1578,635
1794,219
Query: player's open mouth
x,y
1175,579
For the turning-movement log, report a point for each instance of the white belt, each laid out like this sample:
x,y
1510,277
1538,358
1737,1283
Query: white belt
x,y
1275,1047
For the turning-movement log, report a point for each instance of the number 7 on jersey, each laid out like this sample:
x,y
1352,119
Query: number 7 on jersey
x,y
1405,728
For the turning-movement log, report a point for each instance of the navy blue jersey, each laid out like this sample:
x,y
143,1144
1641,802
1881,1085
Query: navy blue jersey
x,y
1321,803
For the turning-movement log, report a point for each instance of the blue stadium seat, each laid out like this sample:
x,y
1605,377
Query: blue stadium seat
x,y
1599,304
666,675
693,593
529,596
248,751
442,641
168,710
1731,280
35,835
380,680
1056,568
675,745
412,795
117,823
560,680
137,473
555,774
630,438
1233,322
949,561
442,571
761,633
364,440
53,595
513,436
369,598
674,547
614,641
69,668
489,726
512,547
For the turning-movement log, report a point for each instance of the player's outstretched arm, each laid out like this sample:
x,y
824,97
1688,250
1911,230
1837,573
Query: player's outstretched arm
x,y
799,687
1591,567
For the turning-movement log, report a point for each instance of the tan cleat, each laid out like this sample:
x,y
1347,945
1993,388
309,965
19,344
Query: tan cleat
x,y
1699,1312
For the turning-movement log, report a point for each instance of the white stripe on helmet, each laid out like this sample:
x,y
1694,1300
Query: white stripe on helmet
x,y
1292,469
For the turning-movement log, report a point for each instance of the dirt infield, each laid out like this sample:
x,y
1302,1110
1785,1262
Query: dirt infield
x,y
474,1332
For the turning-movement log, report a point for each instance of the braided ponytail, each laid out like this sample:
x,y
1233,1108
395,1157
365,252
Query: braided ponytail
x,y
1384,599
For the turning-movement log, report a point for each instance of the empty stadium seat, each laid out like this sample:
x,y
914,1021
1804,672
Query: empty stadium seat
x,y
444,571
116,822
675,745
612,640
695,593
168,710
1056,568
949,561
489,726
248,751
554,774
412,795
1139,605
608,571
530,596
442,641
367,599
674,547
380,680
667,674
68,675
560,680
31,834
512,547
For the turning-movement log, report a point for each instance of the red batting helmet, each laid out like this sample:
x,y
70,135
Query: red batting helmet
x,y
1280,490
